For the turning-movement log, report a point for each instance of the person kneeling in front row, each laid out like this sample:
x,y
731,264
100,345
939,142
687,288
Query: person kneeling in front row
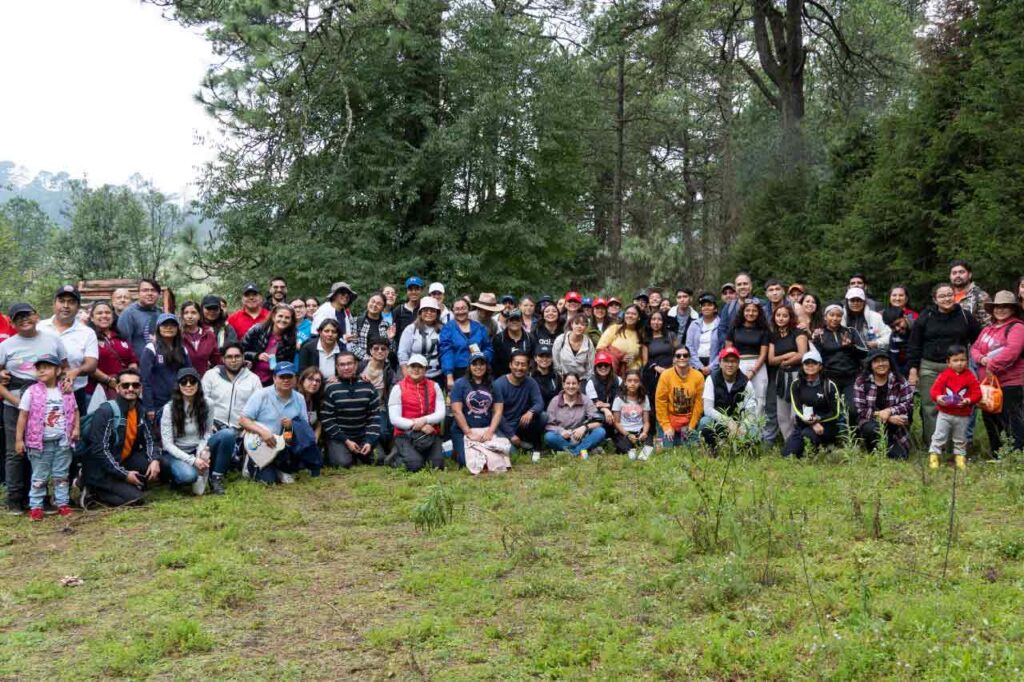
x,y
815,401
730,403
350,414
416,409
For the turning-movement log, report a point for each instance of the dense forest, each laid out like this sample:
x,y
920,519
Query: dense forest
x,y
519,145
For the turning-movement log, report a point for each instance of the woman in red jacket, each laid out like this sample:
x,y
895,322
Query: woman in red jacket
x,y
115,354
998,352
199,340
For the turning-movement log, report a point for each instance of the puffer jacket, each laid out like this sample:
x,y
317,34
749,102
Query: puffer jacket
x,y
257,338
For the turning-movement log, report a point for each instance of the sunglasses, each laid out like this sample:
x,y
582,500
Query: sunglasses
x,y
188,381
682,355
133,385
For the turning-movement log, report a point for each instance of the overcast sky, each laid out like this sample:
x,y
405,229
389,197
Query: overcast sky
x,y
103,89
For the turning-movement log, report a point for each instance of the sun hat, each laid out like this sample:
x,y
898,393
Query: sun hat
x,y
1002,298
488,301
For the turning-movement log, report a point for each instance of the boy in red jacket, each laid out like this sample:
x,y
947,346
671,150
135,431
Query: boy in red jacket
x,y
955,392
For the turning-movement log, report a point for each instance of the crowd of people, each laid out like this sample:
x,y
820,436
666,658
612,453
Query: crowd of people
x,y
106,400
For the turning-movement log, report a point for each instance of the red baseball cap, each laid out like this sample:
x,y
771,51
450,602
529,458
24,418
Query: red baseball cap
x,y
573,296
728,352
600,302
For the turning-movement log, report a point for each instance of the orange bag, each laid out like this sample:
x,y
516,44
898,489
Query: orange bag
x,y
991,394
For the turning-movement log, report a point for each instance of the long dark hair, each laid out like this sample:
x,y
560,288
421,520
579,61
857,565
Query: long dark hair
x,y
174,352
190,304
609,385
198,408
740,319
485,380
100,334
641,334
314,399
641,391
775,329
818,318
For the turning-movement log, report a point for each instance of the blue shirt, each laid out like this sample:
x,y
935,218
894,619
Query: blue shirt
x,y
477,402
518,400
266,408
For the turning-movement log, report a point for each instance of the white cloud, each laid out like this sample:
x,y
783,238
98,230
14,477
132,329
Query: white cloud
x,y
102,88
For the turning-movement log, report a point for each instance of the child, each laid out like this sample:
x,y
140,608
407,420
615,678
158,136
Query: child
x,y
632,412
955,392
47,430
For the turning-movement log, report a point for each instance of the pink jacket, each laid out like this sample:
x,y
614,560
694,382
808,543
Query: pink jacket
x,y
37,416
1002,345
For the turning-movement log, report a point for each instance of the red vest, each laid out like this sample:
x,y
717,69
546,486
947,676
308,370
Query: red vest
x,y
418,400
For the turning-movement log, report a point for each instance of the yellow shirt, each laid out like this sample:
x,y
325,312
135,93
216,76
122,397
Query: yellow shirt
x,y
679,401
628,343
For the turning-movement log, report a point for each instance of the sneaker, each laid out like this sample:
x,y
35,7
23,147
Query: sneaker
x,y
933,460
631,454
15,509
961,462
287,479
216,484
64,510
36,514
48,507
245,467
584,454
645,453
83,498
535,457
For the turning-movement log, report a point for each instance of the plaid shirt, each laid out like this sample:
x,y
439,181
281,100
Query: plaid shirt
x,y
900,399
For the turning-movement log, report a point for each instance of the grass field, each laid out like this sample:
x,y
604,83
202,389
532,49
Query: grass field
x,y
682,567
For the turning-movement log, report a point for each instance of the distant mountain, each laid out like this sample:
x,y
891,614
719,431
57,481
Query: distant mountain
x,y
49,190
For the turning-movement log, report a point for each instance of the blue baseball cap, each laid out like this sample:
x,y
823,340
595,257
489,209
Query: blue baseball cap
x,y
167,317
48,359
477,356
285,368
414,281
588,302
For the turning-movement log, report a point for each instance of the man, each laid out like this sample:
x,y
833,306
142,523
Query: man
x,y
137,323
968,294
728,293
727,400
858,281
775,291
640,301
681,314
79,341
510,341
120,300
508,304
523,418
350,415
406,313
275,411
338,306
250,314
744,293
795,292
18,356
122,457
655,298
486,306
277,294
543,302
436,291
227,388
679,401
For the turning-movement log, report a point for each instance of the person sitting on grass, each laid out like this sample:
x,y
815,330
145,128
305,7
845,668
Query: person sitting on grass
x,y
632,411
679,401
884,401
574,424
477,415
227,389
280,411
955,393
816,404
47,431
122,458
522,420
730,405
416,408
350,413
185,427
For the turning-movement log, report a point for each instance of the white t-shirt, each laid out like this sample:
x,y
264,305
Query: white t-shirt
x,y
54,426
631,413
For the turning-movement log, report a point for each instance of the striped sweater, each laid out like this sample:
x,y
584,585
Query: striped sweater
x,y
350,410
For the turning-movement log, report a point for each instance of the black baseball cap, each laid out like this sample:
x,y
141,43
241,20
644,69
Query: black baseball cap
x,y
20,308
211,301
68,290
250,286
515,314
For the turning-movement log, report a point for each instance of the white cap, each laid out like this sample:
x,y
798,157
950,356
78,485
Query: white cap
x,y
436,287
855,292
417,359
429,303
812,356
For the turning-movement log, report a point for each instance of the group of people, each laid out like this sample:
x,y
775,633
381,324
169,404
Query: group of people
x,y
113,397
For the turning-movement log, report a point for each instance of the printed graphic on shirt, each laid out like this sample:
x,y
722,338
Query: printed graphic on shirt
x,y
478,403
682,401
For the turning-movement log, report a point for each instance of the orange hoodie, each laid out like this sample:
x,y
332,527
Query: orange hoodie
x,y
679,401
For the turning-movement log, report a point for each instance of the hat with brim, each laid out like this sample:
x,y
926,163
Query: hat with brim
x,y
811,356
185,372
1002,298
728,285
20,309
488,301
285,369
48,359
417,359
164,318
342,288
878,353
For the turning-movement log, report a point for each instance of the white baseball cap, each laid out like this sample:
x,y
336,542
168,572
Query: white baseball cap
x,y
855,292
417,359
430,303
436,287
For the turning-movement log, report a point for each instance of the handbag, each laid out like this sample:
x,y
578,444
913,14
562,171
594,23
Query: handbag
x,y
991,394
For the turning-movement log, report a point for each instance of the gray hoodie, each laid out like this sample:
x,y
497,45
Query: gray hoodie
x,y
137,326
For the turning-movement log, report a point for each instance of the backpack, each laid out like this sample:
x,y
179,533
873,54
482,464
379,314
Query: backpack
x,y
85,426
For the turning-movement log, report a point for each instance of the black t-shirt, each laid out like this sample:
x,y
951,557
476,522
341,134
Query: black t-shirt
x,y
748,340
881,396
786,344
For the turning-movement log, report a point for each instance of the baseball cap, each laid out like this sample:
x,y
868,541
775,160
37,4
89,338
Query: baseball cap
x,y
167,317
811,356
641,294
48,359
417,359
187,372
429,304
573,296
436,287
544,349
477,356
855,292
588,302
250,287
515,314
614,299
508,298
600,302
728,285
728,353
284,368
604,358
414,281
68,290
211,301
545,298
19,308
707,298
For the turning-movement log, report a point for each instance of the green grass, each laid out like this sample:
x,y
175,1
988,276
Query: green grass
x,y
609,569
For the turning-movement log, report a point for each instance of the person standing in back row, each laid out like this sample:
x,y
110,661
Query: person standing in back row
x,y
136,324
250,314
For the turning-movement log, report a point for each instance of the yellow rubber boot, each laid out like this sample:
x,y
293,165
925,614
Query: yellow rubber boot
x,y
933,460
961,462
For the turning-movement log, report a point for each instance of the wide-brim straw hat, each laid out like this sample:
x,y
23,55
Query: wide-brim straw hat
x,y
1002,298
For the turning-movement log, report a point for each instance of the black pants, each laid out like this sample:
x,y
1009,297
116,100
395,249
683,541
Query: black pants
x,y
533,433
795,443
1008,425
869,432
17,468
623,444
114,493
413,458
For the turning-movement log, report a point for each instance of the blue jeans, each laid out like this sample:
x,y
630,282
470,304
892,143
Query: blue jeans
x,y
53,461
591,439
222,446
178,471
678,439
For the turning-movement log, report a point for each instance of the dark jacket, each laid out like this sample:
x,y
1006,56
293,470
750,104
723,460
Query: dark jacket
x,y
159,376
934,332
550,385
309,356
822,397
841,363
102,460
351,410
402,318
503,345
542,337
367,331
257,338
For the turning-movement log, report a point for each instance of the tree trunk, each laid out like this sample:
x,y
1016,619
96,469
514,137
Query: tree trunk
x,y
615,234
779,40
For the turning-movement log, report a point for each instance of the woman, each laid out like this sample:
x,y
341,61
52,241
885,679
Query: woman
x,y
312,305
422,337
216,320
702,338
549,329
115,354
1019,289
939,326
161,359
884,401
271,342
310,385
371,326
416,408
573,351
458,340
603,387
998,352
390,295
599,320
573,425
476,414
200,341
842,350
545,375
185,426
866,322
528,307
321,350
898,298
661,347
815,402
750,336
376,370
810,315
303,324
787,346
627,340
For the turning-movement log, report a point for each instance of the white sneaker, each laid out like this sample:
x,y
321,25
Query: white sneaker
x,y
282,477
631,454
645,453
199,486
535,457
245,466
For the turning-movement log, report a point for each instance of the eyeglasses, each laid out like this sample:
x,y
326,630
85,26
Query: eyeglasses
x,y
136,385
189,381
